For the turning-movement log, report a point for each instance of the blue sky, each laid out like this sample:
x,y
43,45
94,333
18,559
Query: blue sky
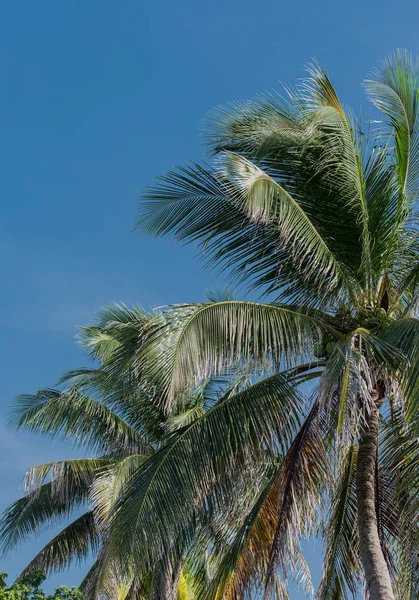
x,y
97,99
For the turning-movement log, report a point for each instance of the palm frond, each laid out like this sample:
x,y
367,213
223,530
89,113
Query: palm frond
x,y
74,543
263,126
202,340
29,514
198,204
266,200
398,463
243,560
74,415
66,476
394,90
340,162
107,486
124,394
115,326
403,334
304,472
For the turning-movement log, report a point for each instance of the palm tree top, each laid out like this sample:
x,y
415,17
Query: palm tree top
x,y
317,211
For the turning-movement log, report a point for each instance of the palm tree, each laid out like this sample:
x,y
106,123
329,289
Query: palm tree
x,y
317,213
105,410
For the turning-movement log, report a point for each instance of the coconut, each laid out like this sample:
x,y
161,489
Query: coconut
x,y
330,346
319,350
327,338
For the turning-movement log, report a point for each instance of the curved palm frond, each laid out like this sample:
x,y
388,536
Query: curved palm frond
x,y
66,476
123,394
76,416
394,90
74,543
266,200
202,340
301,480
201,204
117,328
29,514
107,486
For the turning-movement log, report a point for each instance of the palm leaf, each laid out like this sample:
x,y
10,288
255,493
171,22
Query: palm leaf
x,y
27,515
267,200
73,543
202,340
394,90
300,482
76,416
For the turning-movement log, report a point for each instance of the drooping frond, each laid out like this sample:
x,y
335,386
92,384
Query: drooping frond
x,y
204,205
123,394
399,461
244,559
266,200
75,416
73,544
29,514
240,570
201,340
107,486
403,334
235,433
358,360
91,585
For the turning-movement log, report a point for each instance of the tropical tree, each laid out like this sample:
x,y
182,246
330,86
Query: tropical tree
x,y
316,211
30,589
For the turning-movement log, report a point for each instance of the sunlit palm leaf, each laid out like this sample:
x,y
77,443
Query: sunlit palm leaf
x,y
200,340
394,90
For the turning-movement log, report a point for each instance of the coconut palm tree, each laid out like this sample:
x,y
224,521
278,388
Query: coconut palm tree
x,y
317,212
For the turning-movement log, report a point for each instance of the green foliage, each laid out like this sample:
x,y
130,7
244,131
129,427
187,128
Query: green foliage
x,y
29,588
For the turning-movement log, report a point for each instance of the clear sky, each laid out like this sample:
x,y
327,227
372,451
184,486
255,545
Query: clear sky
x,y
99,97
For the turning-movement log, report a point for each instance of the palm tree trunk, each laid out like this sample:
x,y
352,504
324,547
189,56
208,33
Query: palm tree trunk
x,y
375,567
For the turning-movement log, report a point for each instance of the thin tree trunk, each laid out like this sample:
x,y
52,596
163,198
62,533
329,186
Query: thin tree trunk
x,y
375,567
